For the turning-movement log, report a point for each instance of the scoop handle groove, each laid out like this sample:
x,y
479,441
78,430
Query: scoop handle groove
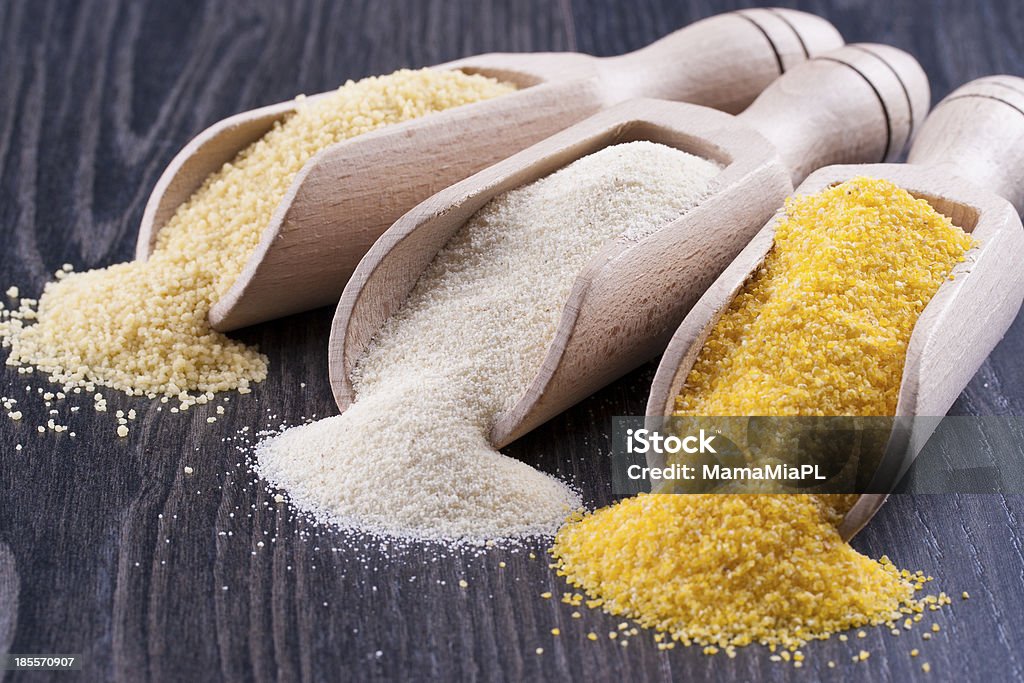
x,y
859,104
977,133
723,61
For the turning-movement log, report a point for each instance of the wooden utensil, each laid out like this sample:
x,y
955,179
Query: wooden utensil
x,y
968,163
859,102
348,194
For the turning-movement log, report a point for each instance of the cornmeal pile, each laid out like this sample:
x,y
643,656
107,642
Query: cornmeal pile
x,y
822,328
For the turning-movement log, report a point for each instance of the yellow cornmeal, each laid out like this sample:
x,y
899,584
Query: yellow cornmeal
x,y
141,327
731,570
821,329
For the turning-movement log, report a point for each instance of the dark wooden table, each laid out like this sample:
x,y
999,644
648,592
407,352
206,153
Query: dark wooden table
x,y
108,550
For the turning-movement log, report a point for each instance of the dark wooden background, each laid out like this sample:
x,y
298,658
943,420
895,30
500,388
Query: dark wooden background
x,y
108,550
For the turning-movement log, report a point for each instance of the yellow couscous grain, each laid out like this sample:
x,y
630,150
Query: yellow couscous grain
x,y
821,329
141,327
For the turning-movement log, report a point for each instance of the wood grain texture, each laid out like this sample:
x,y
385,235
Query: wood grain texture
x,y
9,585
95,98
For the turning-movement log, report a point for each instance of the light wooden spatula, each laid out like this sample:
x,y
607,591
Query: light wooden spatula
x,y
968,162
857,103
348,194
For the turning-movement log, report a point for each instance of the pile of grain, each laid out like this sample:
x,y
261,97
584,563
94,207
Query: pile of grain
x,y
410,457
141,327
731,570
821,329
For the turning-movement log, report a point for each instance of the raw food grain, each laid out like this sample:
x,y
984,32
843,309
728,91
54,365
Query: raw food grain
x,y
822,328
410,457
731,570
141,327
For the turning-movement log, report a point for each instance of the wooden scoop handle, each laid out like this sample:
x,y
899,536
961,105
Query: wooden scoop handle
x,y
977,133
723,61
858,104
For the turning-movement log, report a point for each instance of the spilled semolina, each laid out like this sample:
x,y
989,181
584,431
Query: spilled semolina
x,y
410,457
141,327
822,328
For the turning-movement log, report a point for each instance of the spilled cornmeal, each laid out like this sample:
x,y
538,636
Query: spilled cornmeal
x,y
822,328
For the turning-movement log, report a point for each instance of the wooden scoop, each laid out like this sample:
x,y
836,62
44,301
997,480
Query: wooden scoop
x,y
859,102
348,194
968,162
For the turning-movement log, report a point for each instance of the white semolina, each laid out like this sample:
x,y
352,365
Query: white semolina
x,y
141,327
410,457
